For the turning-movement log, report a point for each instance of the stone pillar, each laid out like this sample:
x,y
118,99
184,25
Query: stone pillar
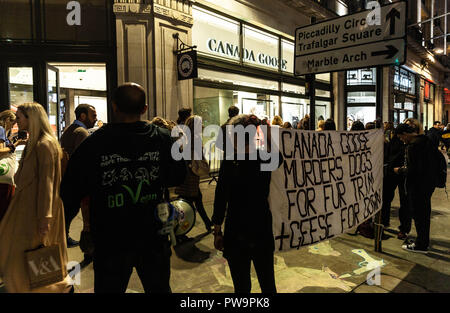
x,y
134,32
145,51
171,17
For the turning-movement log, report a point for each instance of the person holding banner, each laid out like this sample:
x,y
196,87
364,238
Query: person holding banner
x,y
394,156
242,195
418,170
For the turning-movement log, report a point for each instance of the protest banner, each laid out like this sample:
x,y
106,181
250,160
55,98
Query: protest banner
x,y
328,183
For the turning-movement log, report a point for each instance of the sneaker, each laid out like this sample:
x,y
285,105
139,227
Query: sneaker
x,y
412,247
402,236
71,243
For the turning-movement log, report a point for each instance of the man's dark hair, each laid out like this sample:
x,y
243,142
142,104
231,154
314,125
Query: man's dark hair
x,y
183,115
329,125
130,98
404,128
82,108
371,125
436,123
233,111
357,125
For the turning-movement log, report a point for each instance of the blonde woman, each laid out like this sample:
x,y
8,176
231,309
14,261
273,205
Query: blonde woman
x,y
277,121
415,124
35,215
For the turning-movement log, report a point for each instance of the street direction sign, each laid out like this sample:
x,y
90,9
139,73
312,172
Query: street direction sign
x,y
333,37
379,53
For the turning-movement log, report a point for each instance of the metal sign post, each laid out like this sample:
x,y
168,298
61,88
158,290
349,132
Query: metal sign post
x,y
186,59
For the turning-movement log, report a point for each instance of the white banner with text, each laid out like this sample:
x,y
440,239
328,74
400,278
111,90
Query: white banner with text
x,y
328,183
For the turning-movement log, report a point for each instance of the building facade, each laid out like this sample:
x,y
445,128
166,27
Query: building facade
x,y
245,51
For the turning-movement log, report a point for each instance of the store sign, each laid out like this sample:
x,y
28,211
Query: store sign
x,y
352,42
224,48
187,65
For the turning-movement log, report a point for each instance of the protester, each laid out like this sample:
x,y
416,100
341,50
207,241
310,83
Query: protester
x,y
435,134
123,168
446,137
415,124
242,196
329,125
277,121
190,188
287,125
72,137
418,172
183,115
394,156
371,125
357,125
35,215
388,131
160,122
320,125
220,143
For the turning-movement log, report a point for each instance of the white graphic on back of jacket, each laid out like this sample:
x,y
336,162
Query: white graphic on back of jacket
x,y
109,178
125,175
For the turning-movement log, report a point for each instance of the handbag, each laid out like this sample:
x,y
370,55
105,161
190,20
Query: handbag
x,y
8,169
45,265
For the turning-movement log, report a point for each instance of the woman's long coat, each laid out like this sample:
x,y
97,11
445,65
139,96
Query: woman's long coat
x,y
36,197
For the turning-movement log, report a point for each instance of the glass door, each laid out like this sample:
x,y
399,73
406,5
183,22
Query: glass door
x,y
20,88
20,85
53,99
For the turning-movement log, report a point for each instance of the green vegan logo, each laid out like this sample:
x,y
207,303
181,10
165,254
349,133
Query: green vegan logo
x,y
135,197
4,168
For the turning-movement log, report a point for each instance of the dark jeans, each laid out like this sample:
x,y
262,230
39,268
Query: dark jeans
x,y
198,204
240,264
390,183
69,215
112,270
405,211
420,201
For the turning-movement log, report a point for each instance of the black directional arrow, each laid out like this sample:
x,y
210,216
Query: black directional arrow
x,y
391,16
390,52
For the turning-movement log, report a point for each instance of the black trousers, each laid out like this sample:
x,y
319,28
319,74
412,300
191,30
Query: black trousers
x,y
240,264
198,204
112,270
420,201
390,183
69,215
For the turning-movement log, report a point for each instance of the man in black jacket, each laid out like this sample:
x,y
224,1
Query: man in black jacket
x,y
123,169
394,156
435,133
418,171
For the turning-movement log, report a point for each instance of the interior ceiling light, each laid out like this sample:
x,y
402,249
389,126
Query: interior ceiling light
x,y
438,50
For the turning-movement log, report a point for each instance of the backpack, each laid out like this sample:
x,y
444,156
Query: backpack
x,y
440,173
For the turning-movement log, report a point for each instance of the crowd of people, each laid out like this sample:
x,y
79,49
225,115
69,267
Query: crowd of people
x,y
119,174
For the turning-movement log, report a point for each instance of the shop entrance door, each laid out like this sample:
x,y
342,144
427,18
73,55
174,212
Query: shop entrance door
x,y
53,97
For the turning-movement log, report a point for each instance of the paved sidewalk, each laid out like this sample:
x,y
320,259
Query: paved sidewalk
x,y
338,265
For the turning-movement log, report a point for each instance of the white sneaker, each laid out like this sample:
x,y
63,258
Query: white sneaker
x,y
412,247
